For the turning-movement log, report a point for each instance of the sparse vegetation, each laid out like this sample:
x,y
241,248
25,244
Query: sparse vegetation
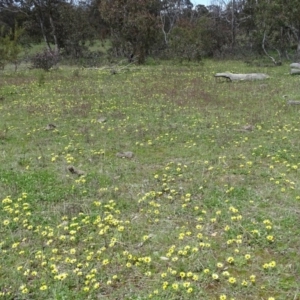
x,y
206,208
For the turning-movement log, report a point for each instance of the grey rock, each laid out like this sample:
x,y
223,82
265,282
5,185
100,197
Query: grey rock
x,y
126,154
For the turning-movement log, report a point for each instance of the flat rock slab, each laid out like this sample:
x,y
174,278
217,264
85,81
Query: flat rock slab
x,y
295,72
240,77
295,65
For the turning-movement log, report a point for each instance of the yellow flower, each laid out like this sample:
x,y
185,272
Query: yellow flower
x,y
247,256
244,283
96,285
230,259
61,276
272,264
195,277
15,245
120,228
265,266
43,287
226,229
147,259
232,280
165,285
267,222
223,297
226,273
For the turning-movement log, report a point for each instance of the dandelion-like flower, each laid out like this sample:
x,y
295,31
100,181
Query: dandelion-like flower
x,y
43,287
232,280
230,260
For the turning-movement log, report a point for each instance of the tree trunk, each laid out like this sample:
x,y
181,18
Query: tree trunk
x,y
54,34
44,34
276,63
233,25
298,46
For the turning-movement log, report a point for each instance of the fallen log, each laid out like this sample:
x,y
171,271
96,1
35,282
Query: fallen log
x,y
239,77
295,71
293,102
295,65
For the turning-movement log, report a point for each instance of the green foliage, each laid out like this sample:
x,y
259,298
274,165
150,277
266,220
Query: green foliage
x,y
10,47
74,30
41,78
134,26
191,41
137,29
282,32
183,43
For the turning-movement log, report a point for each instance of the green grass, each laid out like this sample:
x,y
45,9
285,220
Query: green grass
x,y
204,210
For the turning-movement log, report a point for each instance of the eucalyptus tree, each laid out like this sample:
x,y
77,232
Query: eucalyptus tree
x,y
282,32
62,24
170,13
133,25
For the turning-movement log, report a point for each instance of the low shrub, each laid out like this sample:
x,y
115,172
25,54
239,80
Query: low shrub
x,y
44,60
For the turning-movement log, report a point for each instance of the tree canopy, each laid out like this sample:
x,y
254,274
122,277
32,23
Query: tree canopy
x,y
172,28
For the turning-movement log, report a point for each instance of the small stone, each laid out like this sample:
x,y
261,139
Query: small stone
x,y
102,120
126,154
75,171
50,127
248,127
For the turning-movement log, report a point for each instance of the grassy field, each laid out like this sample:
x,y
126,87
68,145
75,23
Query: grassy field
x,y
207,208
